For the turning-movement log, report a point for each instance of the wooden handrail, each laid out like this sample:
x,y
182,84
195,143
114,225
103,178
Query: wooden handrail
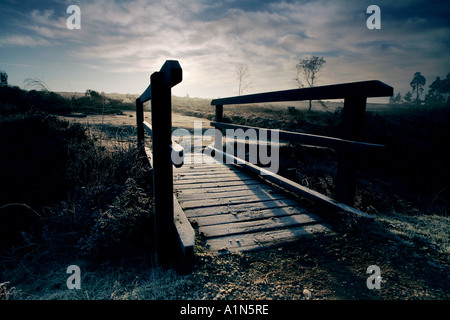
x,y
337,144
147,95
355,96
363,89
176,149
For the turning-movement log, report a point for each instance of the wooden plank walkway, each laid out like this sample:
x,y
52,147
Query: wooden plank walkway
x,y
235,211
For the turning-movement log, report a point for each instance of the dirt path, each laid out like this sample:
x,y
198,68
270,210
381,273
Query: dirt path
x,y
327,269
122,128
129,119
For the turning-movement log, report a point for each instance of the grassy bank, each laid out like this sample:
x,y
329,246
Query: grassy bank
x,y
66,199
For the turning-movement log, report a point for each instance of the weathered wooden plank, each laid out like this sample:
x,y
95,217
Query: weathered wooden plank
x,y
299,189
196,160
225,190
212,176
228,194
229,174
212,179
257,225
246,199
214,184
267,239
220,179
201,179
199,168
205,166
232,209
206,172
248,215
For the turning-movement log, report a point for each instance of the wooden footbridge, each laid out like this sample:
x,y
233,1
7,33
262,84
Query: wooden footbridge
x,y
235,211
232,204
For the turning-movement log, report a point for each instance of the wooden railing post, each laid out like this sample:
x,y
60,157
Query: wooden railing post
x,y
140,123
162,168
218,132
352,123
173,238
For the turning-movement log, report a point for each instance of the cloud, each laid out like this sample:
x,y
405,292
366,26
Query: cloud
x,y
22,41
210,38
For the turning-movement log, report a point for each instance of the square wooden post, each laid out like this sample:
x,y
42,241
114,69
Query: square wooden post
x,y
162,169
352,124
140,121
218,132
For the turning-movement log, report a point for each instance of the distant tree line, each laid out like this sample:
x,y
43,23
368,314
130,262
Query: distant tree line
x,y
438,93
96,102
39,96
3,78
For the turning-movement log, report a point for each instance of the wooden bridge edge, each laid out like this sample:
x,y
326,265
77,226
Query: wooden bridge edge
x,y
295,187
185,232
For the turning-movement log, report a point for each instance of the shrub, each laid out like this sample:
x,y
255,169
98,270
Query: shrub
x,y
109,213
34,157
91,200
122,229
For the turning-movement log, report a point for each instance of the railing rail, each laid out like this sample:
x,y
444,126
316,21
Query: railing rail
x,y
348,145
355,147
362,89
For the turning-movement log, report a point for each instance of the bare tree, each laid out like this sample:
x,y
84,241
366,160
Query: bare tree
x,y
242,77
308,70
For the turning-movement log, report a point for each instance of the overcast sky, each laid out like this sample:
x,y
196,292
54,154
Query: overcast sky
x,y
121,43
